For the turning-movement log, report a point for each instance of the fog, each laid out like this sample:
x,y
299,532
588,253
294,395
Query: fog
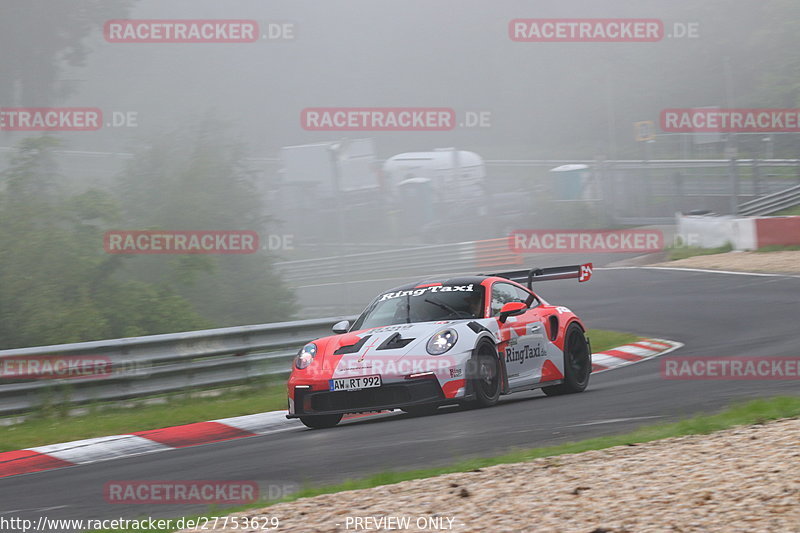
x,y
546,100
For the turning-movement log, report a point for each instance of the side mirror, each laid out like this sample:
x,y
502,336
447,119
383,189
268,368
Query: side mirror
x,y
341,327
512,309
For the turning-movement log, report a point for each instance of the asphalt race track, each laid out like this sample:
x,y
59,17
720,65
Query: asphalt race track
x,y
712,314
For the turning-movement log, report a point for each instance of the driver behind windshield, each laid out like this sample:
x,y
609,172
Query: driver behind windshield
x,y
475,303
424,305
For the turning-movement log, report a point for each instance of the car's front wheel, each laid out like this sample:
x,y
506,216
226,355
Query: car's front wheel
x,y
320,421
486,378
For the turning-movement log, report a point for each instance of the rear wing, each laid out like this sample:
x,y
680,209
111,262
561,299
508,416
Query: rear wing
x,y
581,272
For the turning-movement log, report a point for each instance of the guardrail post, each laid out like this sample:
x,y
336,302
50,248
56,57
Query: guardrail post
x,y
797,170
756,178
733,173
679,192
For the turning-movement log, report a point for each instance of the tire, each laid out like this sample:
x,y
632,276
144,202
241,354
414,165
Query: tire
x,y
320,421
420,410
577,363
486,381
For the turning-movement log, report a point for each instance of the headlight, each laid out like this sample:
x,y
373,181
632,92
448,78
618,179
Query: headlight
x,y
442,341
305,356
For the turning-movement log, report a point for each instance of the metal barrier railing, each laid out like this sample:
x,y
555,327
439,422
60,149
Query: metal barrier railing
x,y
156,364
771,203
472,256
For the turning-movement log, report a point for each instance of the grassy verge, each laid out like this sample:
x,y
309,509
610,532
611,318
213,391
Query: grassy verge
x,y
690,251
779,248
684,252
789,212
51,425
604,340
753,412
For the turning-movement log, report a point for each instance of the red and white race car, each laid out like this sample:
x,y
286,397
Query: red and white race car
x,y
464,340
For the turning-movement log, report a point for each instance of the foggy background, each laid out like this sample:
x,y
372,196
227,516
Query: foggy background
x,y
547,100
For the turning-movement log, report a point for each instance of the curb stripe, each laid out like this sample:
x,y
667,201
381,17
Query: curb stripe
x,y
624,355
637,350
24,461
259,423
634,352
194,434
656,343
100,448
647,346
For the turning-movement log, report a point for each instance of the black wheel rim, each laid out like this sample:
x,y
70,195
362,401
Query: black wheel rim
x,y
578,357
488,376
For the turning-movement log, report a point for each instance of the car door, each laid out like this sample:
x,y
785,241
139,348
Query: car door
x,y
522,345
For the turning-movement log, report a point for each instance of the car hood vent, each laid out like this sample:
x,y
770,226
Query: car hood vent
x,y
352,348
394,342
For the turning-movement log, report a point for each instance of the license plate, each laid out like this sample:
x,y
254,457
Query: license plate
x,y
361,382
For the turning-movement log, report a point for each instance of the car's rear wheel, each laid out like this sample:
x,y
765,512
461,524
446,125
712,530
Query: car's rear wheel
x,y
320,421
577,363
486,379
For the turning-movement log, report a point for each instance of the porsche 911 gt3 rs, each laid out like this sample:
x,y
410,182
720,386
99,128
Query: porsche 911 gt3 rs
x,y
465,340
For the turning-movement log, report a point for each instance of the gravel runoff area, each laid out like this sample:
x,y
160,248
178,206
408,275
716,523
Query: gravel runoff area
x,y
778,262
744,479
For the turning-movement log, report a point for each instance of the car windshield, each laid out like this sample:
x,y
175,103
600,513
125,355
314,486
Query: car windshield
x,y
425,304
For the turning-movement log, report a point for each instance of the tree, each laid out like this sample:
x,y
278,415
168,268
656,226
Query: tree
x,y
37,37
192,179
57,284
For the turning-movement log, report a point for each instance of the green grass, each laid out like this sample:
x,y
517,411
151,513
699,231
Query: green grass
x,y
684,252
789,212
691,251
604,340
50,424
779,248
752,412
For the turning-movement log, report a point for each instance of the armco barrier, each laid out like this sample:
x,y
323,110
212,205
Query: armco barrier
x,y
772,203
141,366
470,256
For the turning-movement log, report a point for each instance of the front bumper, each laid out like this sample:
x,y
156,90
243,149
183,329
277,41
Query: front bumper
x,y
389,396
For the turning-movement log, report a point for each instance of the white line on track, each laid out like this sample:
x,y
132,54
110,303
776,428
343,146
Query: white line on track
x,y
705,270
34,510
611,421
